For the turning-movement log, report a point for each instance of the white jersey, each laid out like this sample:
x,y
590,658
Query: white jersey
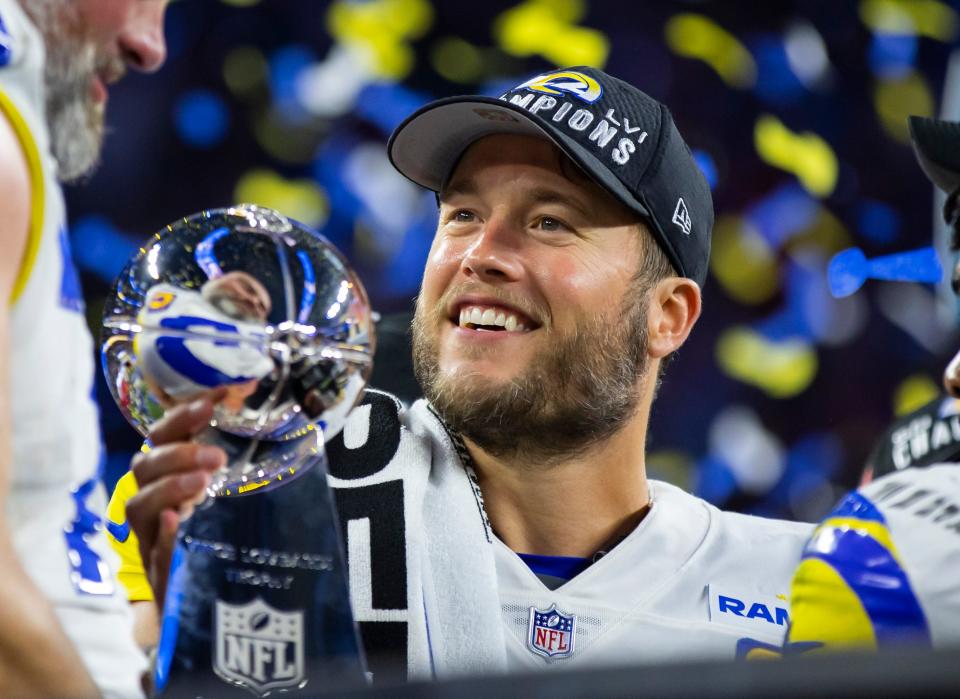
x,y
883,569
690,582
432,588
56,500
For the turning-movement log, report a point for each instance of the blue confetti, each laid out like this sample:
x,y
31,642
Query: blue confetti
x,y
201,118
99,248
892,55
286,66
794,319
714,480
709,168
849,269
878,222
776,81
786,211
387,105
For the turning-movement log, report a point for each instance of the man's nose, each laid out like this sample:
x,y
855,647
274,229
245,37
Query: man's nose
x,y
494,254
142,42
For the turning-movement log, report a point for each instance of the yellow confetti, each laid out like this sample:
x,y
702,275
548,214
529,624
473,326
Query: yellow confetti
x,y
291,145
781,369
303,200
928,18
382,30
244,70
895,100
457,60
805,154
547,28
743,262
914,392
696,36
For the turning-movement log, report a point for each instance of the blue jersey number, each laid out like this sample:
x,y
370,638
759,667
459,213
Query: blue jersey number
x,y
89,574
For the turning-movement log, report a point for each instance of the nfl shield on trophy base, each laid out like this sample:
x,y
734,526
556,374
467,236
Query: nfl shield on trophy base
x,y
265,312
259,646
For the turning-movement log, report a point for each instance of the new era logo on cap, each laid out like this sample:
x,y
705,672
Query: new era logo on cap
x,y
681,217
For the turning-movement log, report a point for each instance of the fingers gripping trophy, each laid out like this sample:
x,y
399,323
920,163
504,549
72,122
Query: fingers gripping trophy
x,y
265,315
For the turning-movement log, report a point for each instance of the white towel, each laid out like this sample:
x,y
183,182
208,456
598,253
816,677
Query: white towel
x,y
388,460
459,576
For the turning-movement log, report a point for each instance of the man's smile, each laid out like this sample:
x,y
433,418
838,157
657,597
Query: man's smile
x,y
478,314
492,319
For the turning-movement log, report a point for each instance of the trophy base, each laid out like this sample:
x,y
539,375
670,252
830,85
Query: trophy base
x,y
257,600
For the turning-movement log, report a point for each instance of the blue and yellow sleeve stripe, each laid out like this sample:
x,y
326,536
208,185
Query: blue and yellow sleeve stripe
x,y
851,590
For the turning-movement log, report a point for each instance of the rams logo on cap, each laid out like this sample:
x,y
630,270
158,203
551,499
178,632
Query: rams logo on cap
x,y
577,84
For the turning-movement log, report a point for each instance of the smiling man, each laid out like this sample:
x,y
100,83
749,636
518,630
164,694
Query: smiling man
x,y
65,626
507,521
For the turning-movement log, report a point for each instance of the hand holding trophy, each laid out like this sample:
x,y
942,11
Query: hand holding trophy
x,y
264,311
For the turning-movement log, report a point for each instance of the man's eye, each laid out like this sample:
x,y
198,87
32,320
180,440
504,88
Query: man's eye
x,y
546,223
463,216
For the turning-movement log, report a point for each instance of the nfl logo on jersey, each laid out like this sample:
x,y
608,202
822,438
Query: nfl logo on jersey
x,y
259,647
551,632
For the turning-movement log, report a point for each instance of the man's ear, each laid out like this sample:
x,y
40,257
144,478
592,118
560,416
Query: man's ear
x,y
674,307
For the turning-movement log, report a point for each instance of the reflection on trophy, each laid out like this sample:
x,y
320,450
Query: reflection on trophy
x,y
235,302
247,302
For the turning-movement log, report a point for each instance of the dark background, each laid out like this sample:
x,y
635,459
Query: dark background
x,y
774,403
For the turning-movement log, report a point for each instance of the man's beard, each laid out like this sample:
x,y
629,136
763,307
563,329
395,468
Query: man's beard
x,y
580,391
74,118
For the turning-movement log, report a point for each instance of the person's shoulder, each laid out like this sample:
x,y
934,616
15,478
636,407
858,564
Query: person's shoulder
x,y
21,151
15,205
756,528
943,476
734,526
918,502
746,551
22,55
769,548
742,563
17,33
763,547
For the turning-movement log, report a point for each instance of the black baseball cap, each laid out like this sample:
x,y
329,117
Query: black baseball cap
x,y
621,137
936,143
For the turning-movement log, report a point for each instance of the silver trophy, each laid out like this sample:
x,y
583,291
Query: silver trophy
x,y
247,302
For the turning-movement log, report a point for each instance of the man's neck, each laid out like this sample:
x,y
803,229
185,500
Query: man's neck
x,y
573,507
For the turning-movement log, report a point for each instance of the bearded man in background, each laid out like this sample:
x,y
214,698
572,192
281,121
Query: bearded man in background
x,y
65,624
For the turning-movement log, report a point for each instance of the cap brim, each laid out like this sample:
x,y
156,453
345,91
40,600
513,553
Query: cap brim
x,y
937,145
429,143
